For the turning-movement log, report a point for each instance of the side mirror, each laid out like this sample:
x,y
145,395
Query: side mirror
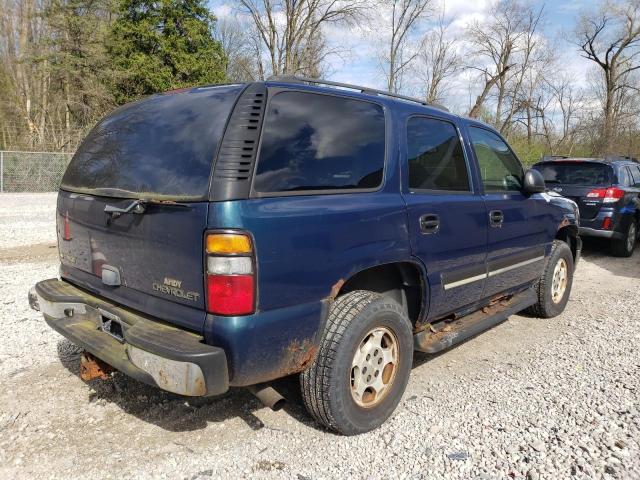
x,y
534,182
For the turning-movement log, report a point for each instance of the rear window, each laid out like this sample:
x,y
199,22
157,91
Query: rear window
x,y
320,142
160,147
578,173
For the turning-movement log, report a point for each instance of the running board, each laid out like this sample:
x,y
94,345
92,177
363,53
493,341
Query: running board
x,y
459,330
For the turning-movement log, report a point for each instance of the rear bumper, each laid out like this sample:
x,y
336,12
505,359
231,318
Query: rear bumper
x,y
150,351
594,232
593,227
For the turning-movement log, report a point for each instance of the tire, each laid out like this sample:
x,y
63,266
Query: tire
x,y
623,247
327,384
550,305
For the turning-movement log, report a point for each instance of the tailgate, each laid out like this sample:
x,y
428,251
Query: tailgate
x,y
156,153
589,206
158,253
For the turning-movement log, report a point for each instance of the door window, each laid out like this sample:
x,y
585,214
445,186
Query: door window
x,y
435,156
635,170
499,168
320,142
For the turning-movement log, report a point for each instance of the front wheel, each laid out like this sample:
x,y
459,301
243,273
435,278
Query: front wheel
x,y
363,365
554,286
623,247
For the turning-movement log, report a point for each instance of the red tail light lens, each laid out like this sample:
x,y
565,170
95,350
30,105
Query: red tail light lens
x,y
606,223
230,274
230,294
597,193
613,195
608,195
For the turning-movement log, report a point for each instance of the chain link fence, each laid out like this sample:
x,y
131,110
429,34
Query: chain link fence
x,y
32,171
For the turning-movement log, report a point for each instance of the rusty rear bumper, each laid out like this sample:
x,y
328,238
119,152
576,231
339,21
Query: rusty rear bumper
x,y
151,351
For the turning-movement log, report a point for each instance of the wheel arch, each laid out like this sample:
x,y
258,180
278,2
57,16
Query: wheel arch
x,y
569,235
404,281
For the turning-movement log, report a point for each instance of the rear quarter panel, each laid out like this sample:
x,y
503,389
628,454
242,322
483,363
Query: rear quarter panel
x,y
305,245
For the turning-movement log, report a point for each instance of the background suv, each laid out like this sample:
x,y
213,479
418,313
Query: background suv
x,y
607,192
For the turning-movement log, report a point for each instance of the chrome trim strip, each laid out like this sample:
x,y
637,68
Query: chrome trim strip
x,y
465,281
515,265
492,273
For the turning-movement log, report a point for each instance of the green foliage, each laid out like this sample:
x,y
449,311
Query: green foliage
x,y
76,58
161,45
528,153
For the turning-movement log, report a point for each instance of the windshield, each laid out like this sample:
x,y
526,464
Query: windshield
x,y
159,147
576,173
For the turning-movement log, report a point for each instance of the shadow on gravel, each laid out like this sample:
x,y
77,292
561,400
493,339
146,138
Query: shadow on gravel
x,y
598,252
179,414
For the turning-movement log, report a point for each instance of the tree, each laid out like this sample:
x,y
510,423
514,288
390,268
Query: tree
x,y
569,101
161,45
240,46
21,34
291,33
611,39
502,50
397,56
438,62
77,62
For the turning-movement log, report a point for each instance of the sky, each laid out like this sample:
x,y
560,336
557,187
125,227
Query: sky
x,y
358,62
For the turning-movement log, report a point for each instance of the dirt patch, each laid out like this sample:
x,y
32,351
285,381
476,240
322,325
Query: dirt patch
x,y
29,253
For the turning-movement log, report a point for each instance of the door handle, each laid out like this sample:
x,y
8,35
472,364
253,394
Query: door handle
x,y
429,223
496,217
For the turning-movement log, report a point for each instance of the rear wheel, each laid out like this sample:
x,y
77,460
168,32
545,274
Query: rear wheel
x,y
623,247
363,365
554,287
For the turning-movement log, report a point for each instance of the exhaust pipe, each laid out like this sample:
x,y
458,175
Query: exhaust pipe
x,y
268,396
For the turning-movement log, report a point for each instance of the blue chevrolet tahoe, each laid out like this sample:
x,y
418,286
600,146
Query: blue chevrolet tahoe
x,y
227,236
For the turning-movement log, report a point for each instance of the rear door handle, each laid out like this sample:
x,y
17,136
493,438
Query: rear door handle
x,y
429,223
496,217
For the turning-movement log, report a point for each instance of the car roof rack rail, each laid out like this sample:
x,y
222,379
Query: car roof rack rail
x,y
547,158
614,158
361,89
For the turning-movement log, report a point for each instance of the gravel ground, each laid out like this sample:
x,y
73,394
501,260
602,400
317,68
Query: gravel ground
x,y
529,399
39,208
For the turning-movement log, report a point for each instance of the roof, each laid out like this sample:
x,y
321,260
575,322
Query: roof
x,y
607,160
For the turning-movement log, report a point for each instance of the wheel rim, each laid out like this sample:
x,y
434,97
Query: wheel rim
x,y
559,282
631,237
374,367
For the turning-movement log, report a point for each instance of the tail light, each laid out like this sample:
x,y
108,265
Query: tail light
x,y
606,223
230,274
67,227
608,195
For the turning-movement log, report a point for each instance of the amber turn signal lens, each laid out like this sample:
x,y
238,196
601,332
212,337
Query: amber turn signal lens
x,y
228,243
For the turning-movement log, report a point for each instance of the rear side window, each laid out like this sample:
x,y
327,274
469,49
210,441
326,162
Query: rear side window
x,y
624,177
635,171
435,156
159,147
576,173
500,169
320,142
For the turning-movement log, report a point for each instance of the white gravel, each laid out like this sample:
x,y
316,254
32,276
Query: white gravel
x,y
529,399
27,218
